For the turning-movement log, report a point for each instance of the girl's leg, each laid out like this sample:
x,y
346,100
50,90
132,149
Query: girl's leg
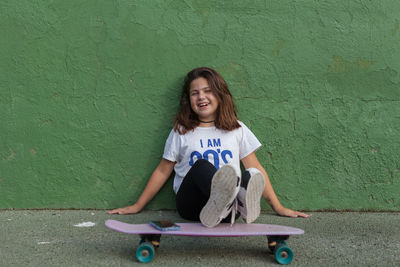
x,y
194,191
248,199
225,186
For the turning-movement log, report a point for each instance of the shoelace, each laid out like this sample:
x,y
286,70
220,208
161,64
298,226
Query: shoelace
x,y
234,209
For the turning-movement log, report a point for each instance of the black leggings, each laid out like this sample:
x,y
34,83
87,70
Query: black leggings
x,y
194,191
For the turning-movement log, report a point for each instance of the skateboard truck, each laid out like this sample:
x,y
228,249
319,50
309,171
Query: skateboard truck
x,y
153,239
274,240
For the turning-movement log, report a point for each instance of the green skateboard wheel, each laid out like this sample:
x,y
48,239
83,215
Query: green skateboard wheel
x,y
283,254
145,252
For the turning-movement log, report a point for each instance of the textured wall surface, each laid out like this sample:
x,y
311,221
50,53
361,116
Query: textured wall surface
x,y
88,90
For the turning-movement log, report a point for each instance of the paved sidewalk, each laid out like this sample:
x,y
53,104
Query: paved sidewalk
x,y
79,238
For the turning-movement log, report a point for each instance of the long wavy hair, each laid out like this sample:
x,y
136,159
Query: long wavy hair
x,y
226,119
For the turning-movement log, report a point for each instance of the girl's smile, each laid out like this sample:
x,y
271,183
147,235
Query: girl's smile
x,y
203,100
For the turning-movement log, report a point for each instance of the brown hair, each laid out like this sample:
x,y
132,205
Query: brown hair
x,y
226,119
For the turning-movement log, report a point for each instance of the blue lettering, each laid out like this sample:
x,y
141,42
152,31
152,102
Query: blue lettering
x,y
224,154
217,142
194,153
215,155
209,143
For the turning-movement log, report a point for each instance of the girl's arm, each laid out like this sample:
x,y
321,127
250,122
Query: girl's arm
x,y
156,181
269,195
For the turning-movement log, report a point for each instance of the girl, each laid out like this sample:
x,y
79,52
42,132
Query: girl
x,y
204,149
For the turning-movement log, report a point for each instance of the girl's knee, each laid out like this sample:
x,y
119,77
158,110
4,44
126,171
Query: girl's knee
x,y
203,163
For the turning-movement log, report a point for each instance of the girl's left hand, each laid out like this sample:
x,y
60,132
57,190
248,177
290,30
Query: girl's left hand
x,y
290,213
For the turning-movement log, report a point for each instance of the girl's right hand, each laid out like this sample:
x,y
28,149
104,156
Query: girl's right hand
x,y
126,210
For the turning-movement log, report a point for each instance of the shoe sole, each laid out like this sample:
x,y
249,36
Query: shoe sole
x,y
223,189
254,192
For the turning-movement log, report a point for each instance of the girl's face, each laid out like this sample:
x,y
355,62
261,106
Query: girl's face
x,y
203,100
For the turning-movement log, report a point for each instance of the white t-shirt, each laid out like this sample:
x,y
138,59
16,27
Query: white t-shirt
x,y
219,147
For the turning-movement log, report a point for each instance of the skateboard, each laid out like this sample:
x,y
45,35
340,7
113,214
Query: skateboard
x,y
150,236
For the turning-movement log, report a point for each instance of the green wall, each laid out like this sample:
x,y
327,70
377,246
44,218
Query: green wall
x,y
88,91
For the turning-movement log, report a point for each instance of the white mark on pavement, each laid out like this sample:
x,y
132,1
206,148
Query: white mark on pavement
x,y
43,243
85,224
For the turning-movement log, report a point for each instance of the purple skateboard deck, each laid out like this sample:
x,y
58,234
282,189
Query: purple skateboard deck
x,y
197,229
150,236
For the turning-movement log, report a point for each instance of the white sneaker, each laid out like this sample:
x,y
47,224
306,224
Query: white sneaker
x,y
225,186
248,198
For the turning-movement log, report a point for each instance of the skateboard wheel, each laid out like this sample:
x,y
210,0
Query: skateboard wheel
x,y
283,254
145,252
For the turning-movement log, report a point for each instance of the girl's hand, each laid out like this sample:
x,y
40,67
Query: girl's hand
x,y
126,210
282,211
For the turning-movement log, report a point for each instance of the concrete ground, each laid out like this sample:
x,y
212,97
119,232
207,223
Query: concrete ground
x,y
79,238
